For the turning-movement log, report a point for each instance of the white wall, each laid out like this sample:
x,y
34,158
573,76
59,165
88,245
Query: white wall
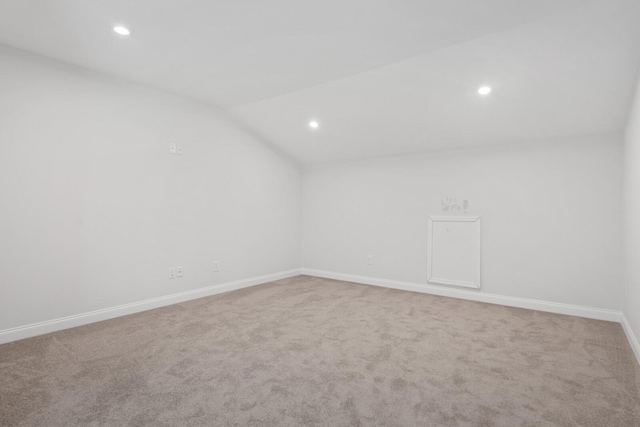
x,y
94,209
631,187
551,217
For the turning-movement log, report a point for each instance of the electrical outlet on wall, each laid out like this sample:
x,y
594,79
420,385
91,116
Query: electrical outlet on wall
x,y
172,273
369,259
216,266
173,148
180,149
178,271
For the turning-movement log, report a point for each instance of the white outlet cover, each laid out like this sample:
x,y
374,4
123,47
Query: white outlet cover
x,y
172,273
173,148
178,271
216,266
180,149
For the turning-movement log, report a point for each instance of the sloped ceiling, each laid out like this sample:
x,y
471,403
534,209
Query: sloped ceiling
x,y
382,77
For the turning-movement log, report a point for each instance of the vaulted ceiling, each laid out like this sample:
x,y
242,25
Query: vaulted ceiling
x,y
381,77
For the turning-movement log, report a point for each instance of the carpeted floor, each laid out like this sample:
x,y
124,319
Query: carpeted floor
x,y
309,351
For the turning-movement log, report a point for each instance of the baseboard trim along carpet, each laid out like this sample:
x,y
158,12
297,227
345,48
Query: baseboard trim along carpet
x,y
48,326
633,340
551,307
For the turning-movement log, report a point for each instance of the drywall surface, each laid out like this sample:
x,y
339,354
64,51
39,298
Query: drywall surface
x,y
631,185
551,217
95,209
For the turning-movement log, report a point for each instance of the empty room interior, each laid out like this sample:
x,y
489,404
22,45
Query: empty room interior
x,y
304,213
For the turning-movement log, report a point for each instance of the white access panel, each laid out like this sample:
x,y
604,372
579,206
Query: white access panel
x,y
453,251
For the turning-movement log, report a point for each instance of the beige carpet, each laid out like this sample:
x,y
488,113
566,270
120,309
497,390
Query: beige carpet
x,y
308,351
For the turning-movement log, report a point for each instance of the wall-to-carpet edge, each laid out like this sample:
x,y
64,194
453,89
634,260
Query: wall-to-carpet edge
x,y
552,307
53,325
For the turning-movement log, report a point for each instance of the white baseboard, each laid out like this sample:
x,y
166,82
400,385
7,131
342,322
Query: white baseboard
x,y
552,307
48,326
27,331
633,340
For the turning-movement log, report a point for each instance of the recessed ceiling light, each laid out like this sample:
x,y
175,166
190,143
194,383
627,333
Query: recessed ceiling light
x,y
484,90
314,124
123,31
